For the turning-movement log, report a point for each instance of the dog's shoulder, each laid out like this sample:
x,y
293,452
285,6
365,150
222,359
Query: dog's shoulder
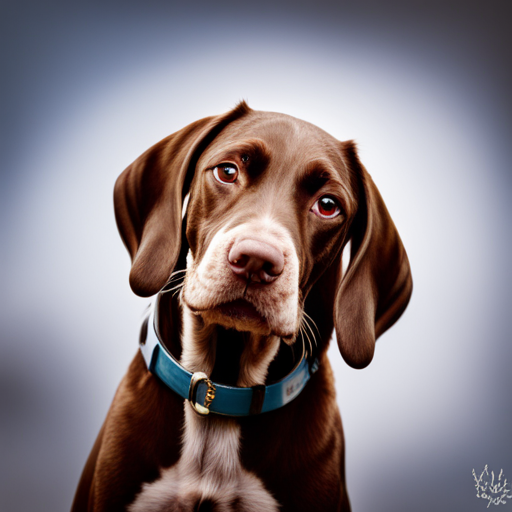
x,y
143,426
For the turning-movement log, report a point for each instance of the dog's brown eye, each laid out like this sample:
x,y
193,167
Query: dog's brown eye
x,y
326,207
225,173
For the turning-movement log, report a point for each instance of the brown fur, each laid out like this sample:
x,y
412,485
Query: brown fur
x,y
298,450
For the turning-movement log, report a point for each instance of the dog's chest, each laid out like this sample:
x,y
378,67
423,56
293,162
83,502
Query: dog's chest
x,y
209,471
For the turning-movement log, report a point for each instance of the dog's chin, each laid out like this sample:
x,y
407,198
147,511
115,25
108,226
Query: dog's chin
x,y
242,316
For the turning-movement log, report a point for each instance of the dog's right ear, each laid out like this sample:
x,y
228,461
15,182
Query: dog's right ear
x,y
148,198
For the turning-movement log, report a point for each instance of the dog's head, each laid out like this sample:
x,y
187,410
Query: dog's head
x,y
273,202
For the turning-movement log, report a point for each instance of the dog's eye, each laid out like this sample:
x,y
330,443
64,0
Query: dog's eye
x,y
326,208
225,173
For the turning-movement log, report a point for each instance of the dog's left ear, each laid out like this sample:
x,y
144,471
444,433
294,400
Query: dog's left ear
x,y
148,198
377,286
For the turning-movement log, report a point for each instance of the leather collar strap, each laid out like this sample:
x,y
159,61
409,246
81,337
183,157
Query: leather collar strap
x,y
206,396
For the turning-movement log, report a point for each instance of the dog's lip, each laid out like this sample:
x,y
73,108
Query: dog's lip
x,y
241,309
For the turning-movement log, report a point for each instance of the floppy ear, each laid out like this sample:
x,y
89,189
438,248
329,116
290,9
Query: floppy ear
x,y
378,284
148,199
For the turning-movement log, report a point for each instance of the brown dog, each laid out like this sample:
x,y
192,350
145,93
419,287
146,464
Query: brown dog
x,y
273,202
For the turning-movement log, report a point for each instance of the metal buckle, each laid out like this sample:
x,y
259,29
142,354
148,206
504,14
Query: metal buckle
x,y
198,377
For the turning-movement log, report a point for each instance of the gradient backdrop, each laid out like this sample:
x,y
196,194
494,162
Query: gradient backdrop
x,y
423,87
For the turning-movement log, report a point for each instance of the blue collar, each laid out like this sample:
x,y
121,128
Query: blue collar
x,y
206,396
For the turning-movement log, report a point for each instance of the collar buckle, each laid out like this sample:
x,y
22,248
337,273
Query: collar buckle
x,y
197,378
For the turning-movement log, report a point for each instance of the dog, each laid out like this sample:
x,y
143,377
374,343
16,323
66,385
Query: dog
x,y
260,234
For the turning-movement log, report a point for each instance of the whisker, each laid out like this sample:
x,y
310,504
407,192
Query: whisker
x,y
177,287
301,332
173,280
181,271
307,336
176,276
306,323
307,320
312,321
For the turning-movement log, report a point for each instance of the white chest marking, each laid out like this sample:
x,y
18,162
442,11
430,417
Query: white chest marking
x,y
209,469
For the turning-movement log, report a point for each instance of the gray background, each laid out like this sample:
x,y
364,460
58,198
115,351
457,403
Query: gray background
x,y
423,87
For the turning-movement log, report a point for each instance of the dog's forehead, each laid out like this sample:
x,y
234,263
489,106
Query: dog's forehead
x,y
278,128
284,135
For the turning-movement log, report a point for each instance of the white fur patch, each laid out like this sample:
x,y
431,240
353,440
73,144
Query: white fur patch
x,y
211,281
209,469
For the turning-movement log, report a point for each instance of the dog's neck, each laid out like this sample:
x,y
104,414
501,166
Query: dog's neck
x,y
204,348
209,468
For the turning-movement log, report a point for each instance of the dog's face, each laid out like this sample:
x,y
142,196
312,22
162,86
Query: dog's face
x,y
269,207
273,201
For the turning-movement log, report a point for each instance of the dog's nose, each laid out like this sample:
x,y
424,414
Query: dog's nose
x,y
256,260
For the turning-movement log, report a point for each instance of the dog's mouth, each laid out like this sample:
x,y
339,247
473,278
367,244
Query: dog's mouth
x,y
241,309
239,314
